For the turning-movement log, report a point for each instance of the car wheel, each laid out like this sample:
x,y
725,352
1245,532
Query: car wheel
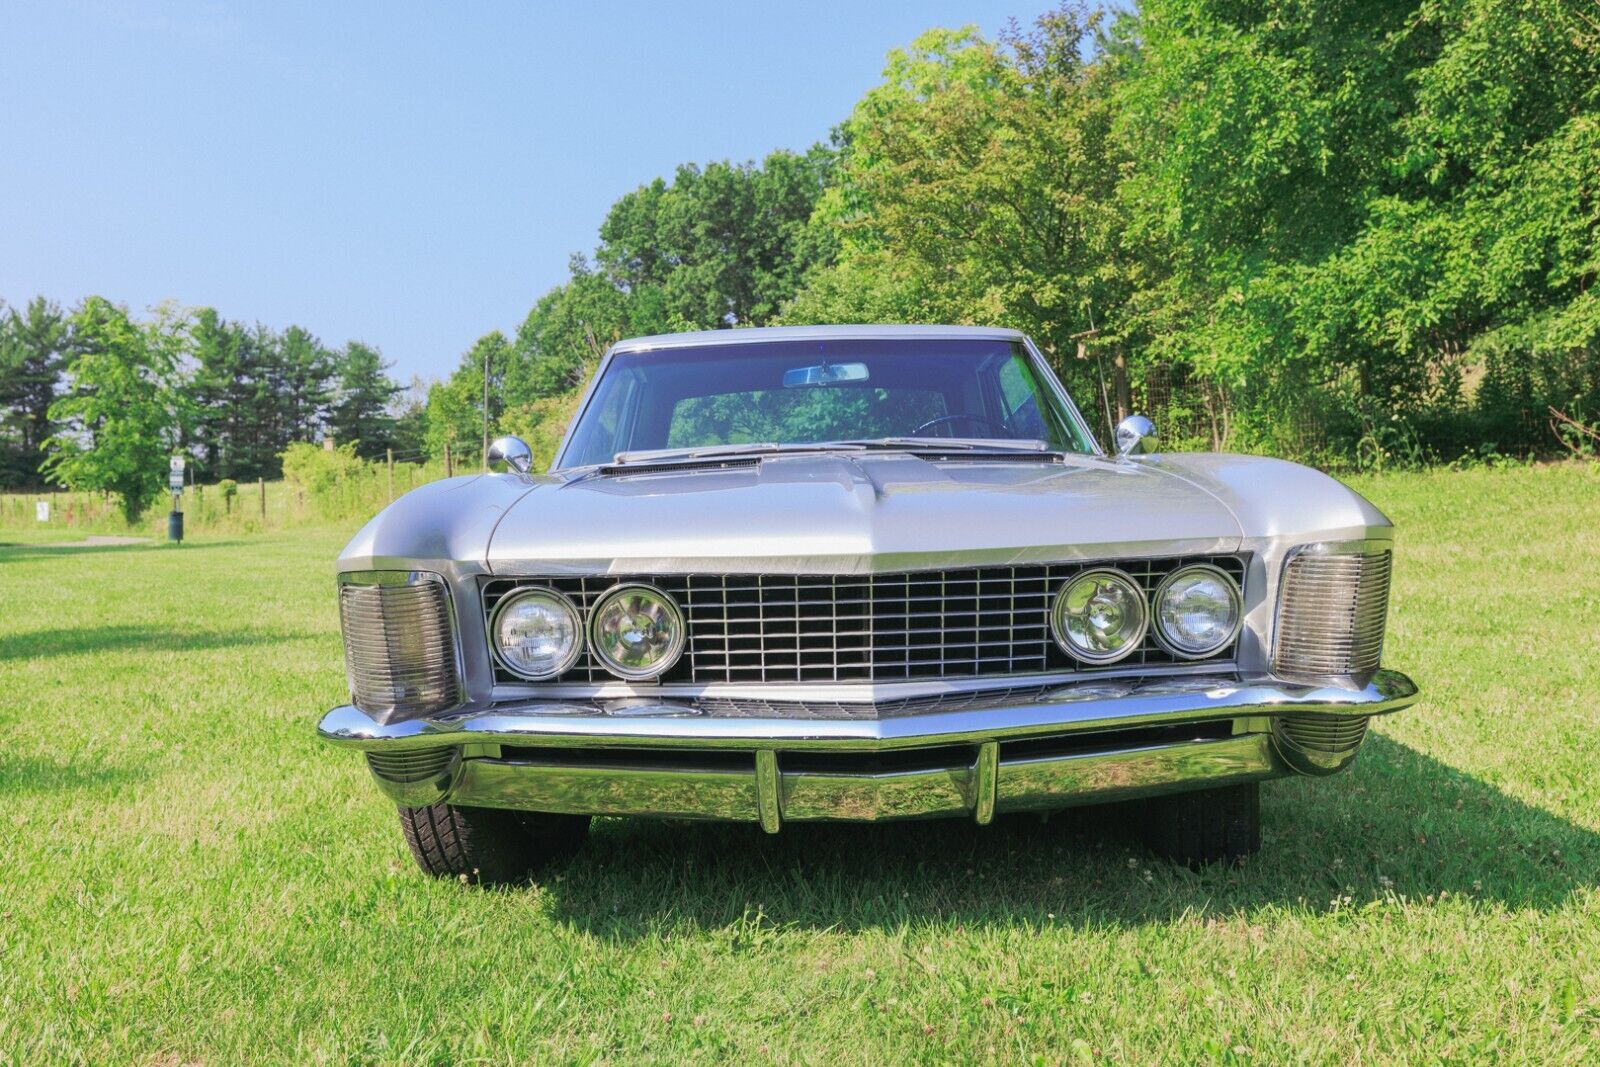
x,y
487,845
1208,826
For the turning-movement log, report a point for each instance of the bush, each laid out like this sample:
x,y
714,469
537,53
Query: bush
x,y
329,477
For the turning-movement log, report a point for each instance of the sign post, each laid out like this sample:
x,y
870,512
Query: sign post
x,y
175,484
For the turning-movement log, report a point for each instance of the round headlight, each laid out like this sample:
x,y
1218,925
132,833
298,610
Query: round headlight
x,y
1198,610
537,633
636,631
1099,616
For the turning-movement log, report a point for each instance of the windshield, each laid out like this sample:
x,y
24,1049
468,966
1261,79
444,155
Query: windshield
x,y
812,392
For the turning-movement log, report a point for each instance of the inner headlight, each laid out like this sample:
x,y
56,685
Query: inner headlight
x,y
537,633
1198,610
1099,616
636,631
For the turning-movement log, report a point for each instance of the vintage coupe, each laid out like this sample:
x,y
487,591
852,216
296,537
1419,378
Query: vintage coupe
x,y
854,573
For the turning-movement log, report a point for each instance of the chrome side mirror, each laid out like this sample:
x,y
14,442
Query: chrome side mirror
x,y
510,454
1136,435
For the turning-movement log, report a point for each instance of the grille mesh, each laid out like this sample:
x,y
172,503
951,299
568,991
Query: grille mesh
x,y
1331,614
973,622
398,649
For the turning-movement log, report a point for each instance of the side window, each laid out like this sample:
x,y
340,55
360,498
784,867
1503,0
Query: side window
x,y
1015,388
1018,396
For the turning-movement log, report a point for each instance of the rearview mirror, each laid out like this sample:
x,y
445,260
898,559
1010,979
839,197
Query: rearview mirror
x,y
824,374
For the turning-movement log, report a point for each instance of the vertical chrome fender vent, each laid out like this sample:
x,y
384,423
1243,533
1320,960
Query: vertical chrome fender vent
x,y
1331,612
1318,744
399,644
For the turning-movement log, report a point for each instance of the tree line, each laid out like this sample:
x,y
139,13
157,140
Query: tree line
x,y
1353,234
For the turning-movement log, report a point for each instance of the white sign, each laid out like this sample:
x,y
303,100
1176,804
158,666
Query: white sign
x,y
175,481
41,510
175,464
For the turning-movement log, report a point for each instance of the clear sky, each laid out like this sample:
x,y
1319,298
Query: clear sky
x,y
408,175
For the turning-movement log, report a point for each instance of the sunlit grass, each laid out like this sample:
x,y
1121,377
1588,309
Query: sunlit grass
x,y
186,875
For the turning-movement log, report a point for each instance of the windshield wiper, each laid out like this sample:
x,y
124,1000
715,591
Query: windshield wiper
x,y
713,452
952,444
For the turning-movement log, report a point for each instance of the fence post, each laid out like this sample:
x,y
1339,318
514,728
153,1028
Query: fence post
x,y
261,484
390,452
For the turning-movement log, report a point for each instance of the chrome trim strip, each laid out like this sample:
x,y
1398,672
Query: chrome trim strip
x,y
1071,709
841,692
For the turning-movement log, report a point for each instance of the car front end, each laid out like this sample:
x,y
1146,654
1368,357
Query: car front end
x,y
863,632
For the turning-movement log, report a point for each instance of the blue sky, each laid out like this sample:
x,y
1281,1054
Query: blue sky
x,y
409,175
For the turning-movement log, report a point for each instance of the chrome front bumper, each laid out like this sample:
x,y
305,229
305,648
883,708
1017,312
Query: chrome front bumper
x,y
1080,743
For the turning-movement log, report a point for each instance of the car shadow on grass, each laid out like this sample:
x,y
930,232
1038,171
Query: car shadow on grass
x,y
34,644
1399,824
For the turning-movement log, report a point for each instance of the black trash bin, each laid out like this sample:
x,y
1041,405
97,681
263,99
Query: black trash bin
x,y
174,526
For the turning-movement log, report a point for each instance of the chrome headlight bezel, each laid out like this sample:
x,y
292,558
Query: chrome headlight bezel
x,y
1235,601
1058,611
568,659
674,649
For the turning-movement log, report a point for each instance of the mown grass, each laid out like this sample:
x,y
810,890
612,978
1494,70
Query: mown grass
x,y
187,876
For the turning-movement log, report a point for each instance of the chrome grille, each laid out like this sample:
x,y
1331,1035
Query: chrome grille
x,y
967,623
1331,613
399,652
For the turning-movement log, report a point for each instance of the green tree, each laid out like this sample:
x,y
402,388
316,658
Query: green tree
x,y
123,413
36,349
360,414
1368,202
455,412
721,245
978,183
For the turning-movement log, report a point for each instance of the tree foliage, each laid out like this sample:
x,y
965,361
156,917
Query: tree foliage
x,y
123,414
1336,231
36,350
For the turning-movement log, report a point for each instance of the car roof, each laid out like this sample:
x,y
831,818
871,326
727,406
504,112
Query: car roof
x,y
764,334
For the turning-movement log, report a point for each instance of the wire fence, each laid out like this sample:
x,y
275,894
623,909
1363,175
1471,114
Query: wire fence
x,y
242,507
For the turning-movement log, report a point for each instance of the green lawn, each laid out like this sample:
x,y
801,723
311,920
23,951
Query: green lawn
x,y
186,875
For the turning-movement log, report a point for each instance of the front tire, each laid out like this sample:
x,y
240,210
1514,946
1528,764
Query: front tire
x,y
1208,826
489,846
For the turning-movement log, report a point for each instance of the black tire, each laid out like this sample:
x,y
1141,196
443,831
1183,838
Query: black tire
x,y
489,846
1209,826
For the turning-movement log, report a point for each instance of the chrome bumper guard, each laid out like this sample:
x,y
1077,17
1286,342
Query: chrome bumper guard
x,y
1080,743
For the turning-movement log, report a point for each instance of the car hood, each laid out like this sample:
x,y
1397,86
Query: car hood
x,y
836,513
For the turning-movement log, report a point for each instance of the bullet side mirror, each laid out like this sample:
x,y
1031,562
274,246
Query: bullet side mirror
x,y
1136,436
510,455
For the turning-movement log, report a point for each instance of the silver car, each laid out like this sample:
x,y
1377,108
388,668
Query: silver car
x,y
854,574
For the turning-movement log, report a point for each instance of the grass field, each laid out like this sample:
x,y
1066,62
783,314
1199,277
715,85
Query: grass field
x,y
187,876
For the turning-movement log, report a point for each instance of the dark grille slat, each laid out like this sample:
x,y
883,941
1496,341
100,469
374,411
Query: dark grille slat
x,y
956,623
